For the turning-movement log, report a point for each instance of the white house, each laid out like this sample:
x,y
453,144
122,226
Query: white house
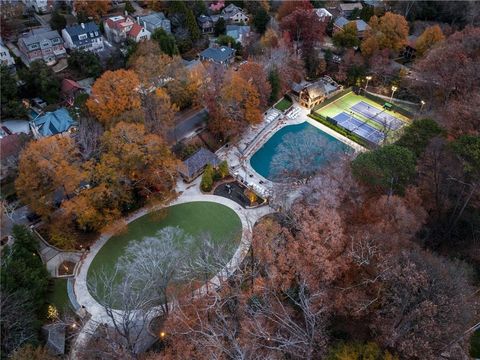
x,y
83,37
120,28
234,14
323,14
5,57
39,6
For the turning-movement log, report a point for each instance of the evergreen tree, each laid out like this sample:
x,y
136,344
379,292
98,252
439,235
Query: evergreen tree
x,y
165,41
220,27
58,21
274,80
260,20
192,26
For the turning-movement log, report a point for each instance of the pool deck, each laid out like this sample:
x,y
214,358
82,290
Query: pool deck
x,y
238,157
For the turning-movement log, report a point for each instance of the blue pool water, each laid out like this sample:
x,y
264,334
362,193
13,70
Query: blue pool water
x,y
296,152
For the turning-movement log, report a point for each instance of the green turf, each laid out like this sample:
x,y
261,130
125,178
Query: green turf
x,y
194,217
283,104
58,295
347,101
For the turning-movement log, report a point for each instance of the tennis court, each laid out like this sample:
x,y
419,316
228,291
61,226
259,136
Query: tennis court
x,y
359,127
378,116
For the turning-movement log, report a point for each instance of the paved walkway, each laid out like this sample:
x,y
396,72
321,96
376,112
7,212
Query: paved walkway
x,y
188,193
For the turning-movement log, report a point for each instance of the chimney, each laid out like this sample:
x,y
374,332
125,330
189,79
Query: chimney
x,y
145,25
138,20
126,13
82,25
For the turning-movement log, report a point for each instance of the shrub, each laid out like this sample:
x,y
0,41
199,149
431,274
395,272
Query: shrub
x,y
207,178
223,169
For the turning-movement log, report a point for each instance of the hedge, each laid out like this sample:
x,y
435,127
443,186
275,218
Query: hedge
x,y
352,136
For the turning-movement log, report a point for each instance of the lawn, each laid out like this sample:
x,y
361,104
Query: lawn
x,y
221,222
345,102
283,104
58,295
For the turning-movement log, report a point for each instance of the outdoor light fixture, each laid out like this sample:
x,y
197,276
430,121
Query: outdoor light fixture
x,y
394,88
368,79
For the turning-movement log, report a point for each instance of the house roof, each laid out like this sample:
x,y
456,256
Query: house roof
x,y
155,19
219,54
203,19
341,22
412,40
119,22
55,338
37,35
235,31
83,28
53,123
135,30
322,12
350,6
69,87
198,161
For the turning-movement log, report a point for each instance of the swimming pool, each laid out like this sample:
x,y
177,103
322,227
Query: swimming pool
x,y
296,152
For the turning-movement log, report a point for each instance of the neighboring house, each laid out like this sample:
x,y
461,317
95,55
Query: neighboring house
x,y
155,21
361,25
39,6
120,28
206,24
52,123
239,32
5,57
194,166
41,44
234,14
410,51
55,338
323,14
70,89
83,37
311,94
223,55
346,9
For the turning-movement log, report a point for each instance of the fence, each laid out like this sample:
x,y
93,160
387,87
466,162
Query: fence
x,y
348,134
330,100
381,101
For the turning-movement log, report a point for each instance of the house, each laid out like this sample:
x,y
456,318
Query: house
x,y
410,51
70,89
39,6
55,338
323,14
206,24
154,21
83,37
361,25
347,9
5,57
238,32
194,166
41,44
223,55
234,14
52,123
311,94
120,28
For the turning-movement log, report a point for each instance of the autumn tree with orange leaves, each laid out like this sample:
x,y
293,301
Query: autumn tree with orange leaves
x,y
91,9
115,97
431,36
387,32
49,171
254,72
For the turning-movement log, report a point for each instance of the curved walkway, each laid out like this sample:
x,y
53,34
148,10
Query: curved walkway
x,y
189,193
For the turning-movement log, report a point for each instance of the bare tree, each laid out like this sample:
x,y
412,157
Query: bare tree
x,y
301,155
152,264
295,325
88,136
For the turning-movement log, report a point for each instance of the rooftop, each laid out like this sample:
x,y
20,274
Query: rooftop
x,y
53,123
198,161
219,54
82,28
37,35
350,6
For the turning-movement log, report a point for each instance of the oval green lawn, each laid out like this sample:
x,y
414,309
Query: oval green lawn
x,y
193,217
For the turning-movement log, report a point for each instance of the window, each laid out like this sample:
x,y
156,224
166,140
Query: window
x,y
82,37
